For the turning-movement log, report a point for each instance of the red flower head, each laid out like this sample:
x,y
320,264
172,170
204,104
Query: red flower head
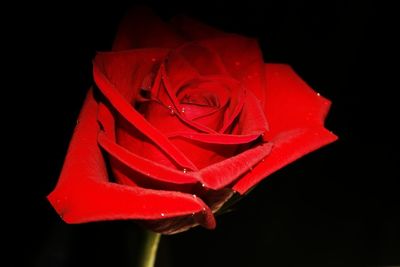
x,y
181,117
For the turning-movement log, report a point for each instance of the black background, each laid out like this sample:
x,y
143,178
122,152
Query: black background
x,y
335,207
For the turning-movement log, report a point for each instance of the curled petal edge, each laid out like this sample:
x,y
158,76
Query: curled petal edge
x,y
296,115
84,192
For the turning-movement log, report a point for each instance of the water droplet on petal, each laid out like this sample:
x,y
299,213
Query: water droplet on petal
x,y
318,94
204,209
194,196
171,111
193,213
183,110
162,214
184,171
203,185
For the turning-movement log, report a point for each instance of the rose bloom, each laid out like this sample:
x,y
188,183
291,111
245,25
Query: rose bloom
x,y
182,116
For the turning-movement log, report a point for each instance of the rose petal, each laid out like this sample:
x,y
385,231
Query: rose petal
x,y
296,116
287,148
291,103
223,139
132,159
201,59
130,165
214,198
136,65
242,59
147,167
252,119
168,88
193,29
137,120
142,28
223,173
84,193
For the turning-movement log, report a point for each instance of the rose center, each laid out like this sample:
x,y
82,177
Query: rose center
x,y
200,99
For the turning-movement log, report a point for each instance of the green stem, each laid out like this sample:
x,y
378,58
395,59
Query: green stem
x,y
149,254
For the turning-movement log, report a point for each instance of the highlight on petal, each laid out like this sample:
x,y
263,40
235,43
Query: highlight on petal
x,y
296,118
84,192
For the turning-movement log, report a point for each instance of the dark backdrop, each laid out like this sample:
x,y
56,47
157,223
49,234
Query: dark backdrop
x,y
335,207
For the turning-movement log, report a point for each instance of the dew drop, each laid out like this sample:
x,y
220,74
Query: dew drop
x,y
194,196
184,171
318,94
171,111
162,214
193,213
203,185
204,209
183,110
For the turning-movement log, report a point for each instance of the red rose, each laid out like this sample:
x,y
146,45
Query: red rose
x,y
177,123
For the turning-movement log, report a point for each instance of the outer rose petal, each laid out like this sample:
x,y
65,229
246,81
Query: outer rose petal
x,y
192,29
245,51
242,59
84,192
137,64
142,28
290,102
296,118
